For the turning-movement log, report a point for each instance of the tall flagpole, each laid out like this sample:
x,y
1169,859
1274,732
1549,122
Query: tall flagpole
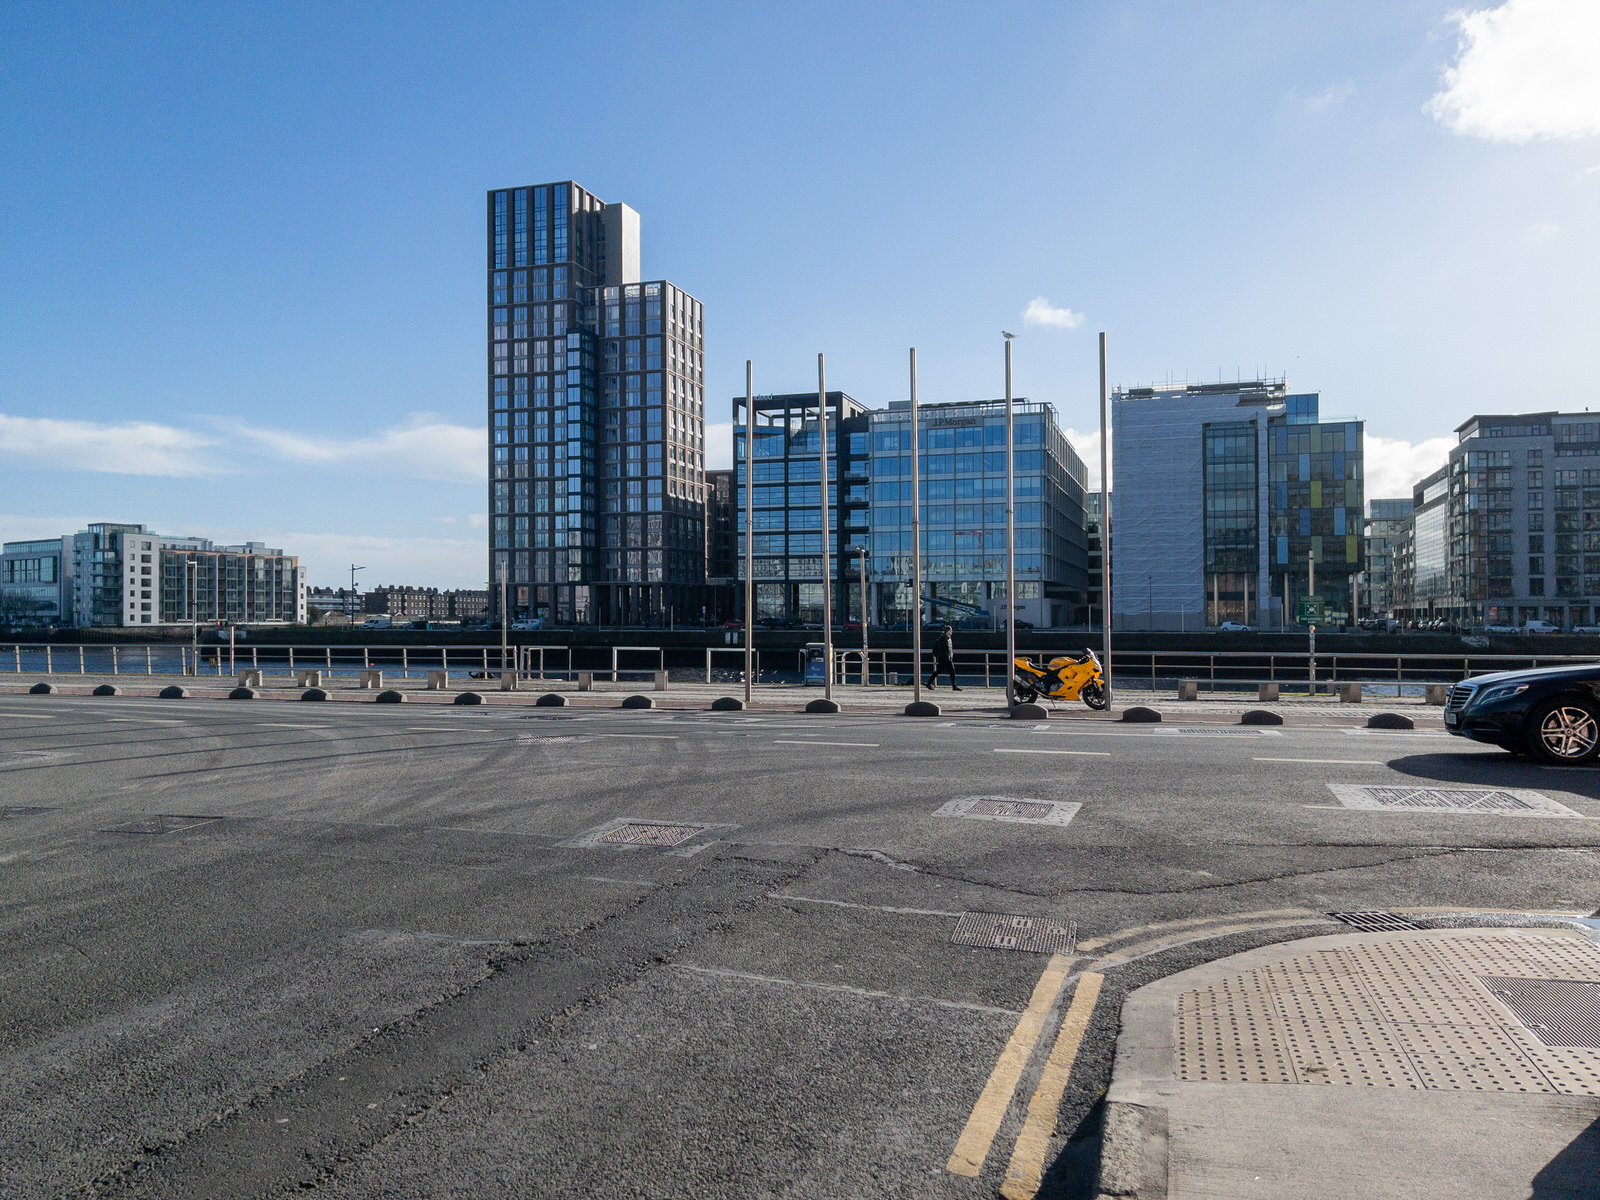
x,y
749,525
827,534
916,547
1105,525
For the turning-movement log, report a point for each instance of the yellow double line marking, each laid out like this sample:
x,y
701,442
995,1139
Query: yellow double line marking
x,y
1027,1160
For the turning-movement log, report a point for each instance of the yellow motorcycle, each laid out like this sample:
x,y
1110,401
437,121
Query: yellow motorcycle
x,y
1069,677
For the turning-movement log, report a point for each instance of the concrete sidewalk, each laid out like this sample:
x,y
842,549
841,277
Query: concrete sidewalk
x,y
1407,1065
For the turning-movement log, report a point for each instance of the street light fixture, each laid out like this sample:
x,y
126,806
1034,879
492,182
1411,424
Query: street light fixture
x,y
1011,540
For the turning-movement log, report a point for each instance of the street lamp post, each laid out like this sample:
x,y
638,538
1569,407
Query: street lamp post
x,y
1105,528
866,616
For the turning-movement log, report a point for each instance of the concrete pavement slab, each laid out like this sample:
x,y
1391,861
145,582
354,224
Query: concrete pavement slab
x,y
1377,1065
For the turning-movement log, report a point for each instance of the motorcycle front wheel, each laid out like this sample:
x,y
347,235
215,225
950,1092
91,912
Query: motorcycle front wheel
x,y
1093,695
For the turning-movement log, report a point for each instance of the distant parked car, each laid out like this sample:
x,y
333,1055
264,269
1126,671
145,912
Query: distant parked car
x,y
377,623
1503,630
527,624
1232,627
733,623
1542,627
1586,629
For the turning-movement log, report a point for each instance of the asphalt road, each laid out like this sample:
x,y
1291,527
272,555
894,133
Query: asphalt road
x,y
251,949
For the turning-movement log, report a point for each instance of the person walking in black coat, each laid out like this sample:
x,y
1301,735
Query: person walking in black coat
x,y
944,659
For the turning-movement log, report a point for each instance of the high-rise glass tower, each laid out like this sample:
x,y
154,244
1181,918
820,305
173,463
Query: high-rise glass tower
x,y
596,416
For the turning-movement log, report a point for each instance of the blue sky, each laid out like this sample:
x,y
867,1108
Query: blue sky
x,y
241,245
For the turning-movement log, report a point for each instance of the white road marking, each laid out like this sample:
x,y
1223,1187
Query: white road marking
x,y
916,912
34,716
809,742
723,973
1354,762
660,737
1083,753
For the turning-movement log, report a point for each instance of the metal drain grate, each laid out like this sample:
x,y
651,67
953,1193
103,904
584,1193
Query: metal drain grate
x,y
1029,809
23,810
159,823
1515,801
1009,808
1001,931
529,739
1217,732
1559,1012
1373,922
648,835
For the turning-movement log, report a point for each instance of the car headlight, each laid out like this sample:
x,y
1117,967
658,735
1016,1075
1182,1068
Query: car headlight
x,y
1504,692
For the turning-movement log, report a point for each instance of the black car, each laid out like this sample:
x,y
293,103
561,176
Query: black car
x,y
1551,712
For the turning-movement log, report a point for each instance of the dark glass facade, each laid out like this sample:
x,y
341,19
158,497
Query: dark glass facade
x,y
596,416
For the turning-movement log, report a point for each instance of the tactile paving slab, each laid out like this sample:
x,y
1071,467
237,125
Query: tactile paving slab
x,y
1505,1013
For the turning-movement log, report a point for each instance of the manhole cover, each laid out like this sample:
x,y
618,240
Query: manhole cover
x,y
1026,811
1516,801
648,835
159,824
1559,1012
1001,931
1373,922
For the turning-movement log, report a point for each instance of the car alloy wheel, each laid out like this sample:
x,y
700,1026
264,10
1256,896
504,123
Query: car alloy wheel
x,y
1567,732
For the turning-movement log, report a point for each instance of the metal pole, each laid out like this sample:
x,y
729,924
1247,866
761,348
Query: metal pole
x,y
916,547
749,524
1105,526
866,619
1011,541
827,534
1311,594
232,630
194,617
504,622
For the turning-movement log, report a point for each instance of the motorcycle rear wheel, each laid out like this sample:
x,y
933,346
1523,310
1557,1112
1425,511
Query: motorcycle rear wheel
x,y
1023,690
1093,695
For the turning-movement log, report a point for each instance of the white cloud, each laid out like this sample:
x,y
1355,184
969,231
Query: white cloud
x,y
1525,71
1393,466
424,448
1330,97
477,520
719,446
131,448
1041,312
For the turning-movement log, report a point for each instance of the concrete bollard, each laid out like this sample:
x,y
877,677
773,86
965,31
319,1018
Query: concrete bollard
x,y
661,681
1267,693
1188,689
1349,693
250,679
305,677
586,681
1437,694
508,681
371,679
438,681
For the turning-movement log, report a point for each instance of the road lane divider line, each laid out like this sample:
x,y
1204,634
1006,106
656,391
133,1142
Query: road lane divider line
x,y
916,912
1030,750
1026,1171
843,988
1349,762
34,716
654,737
972,1147
809,742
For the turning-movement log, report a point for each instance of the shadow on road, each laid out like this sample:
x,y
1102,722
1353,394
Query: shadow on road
x,y
1074,1173
1498,770
1573,1173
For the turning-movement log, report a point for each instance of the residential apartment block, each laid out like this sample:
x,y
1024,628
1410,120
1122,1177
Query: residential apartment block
x,y
596,414
1224,491
1508,531
1386,527
427,604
